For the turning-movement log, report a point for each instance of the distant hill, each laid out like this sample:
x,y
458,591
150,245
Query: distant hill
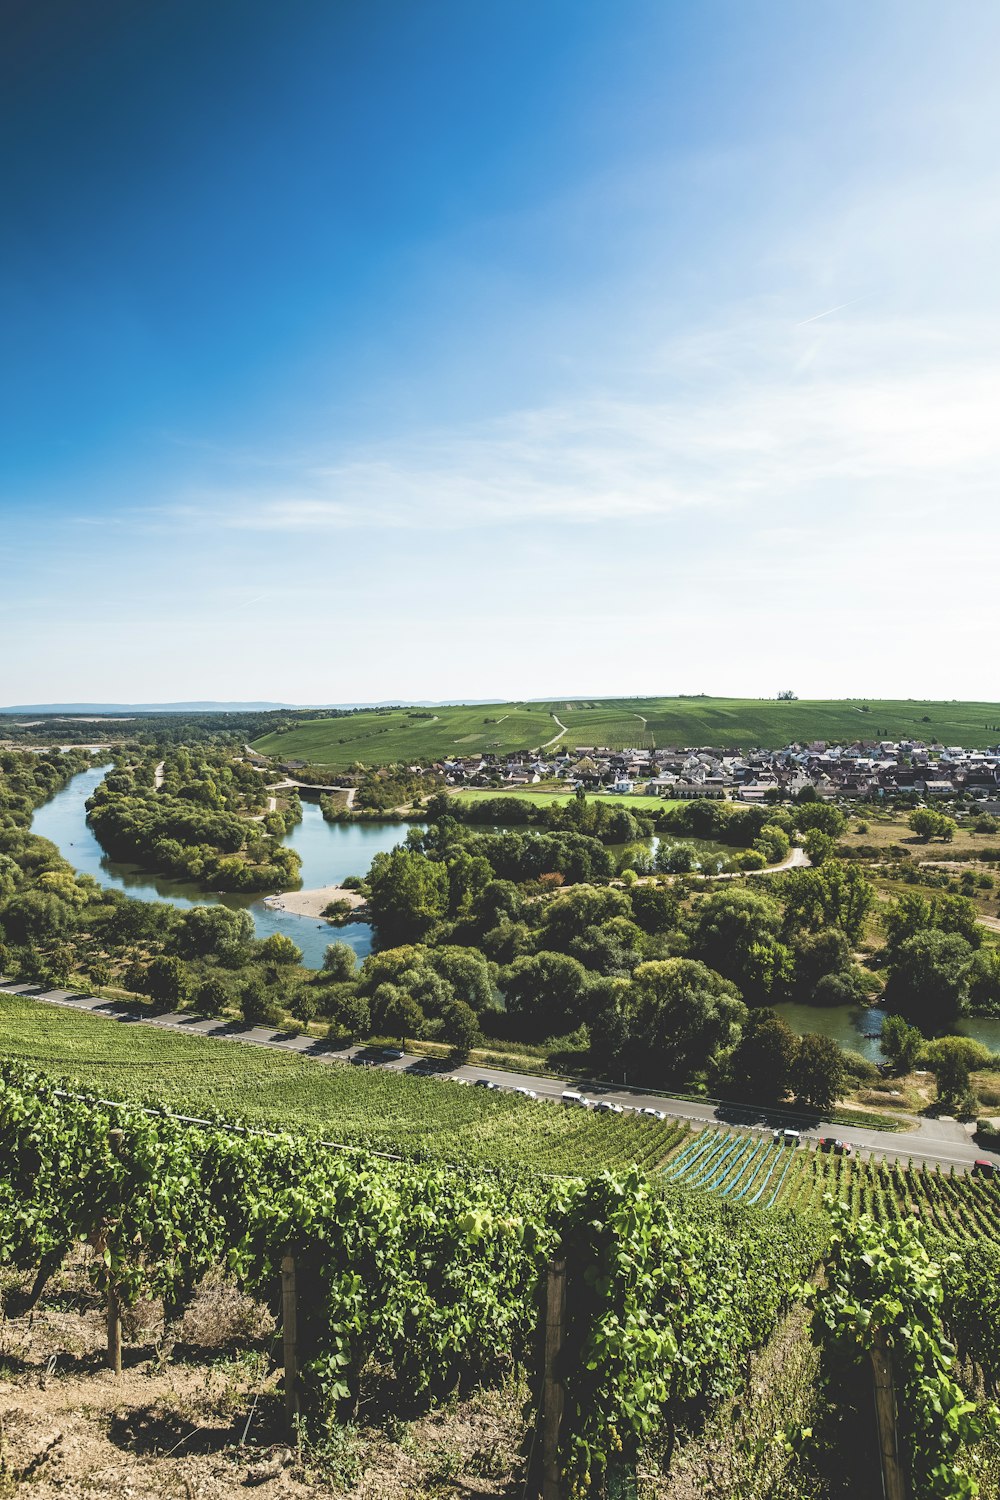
x,y
204,706
432,732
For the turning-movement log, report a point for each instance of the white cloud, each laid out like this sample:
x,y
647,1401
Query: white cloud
x,y
881,415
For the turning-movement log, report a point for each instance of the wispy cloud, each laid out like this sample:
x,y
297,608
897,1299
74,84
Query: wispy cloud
x,y
885,419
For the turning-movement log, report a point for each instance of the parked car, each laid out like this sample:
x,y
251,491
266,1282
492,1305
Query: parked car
x,y
983,1168
788,1137
839,1148
391,1054
526,1093
608,1107
570,1096
486,1083
654,1114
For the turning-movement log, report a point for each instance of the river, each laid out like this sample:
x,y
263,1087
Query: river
x,y
329,852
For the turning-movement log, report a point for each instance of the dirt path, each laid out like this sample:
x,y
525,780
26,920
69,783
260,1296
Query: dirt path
x,y
158,776
797,859
563,729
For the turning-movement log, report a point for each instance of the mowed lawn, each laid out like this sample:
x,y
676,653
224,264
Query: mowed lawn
x,y
377,736
280,1091
636,801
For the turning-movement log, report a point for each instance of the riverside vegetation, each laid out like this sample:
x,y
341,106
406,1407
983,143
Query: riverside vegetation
x,y
673,1295
544,936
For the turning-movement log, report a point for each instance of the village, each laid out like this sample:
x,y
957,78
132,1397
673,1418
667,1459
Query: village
x,y
865,769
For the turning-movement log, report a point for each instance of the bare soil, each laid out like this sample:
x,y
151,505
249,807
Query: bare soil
x,y
197,1414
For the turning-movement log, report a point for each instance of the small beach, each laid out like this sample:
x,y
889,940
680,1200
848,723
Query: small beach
x,y
312,903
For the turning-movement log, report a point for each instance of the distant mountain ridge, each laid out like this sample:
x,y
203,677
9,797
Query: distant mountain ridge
x,y
211,706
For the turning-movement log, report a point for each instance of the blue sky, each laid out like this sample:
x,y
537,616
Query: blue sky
x,y
442,350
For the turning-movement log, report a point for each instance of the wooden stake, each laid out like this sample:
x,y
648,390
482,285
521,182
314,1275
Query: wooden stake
x,y
115,1139
288,1341
553,1395
894,1486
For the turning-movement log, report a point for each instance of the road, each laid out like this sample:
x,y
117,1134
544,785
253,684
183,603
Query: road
x,y
944,1143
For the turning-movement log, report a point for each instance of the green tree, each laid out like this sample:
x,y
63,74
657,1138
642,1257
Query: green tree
x,y
773,843
279,949
396,1014
339,961
949,1060
548,991
819,953
760,1065
816,1075
215,930
409,893
901,1044
929,978
212,997
819,846
468,973
823,817
735,932
166,980
258,1007
680,1015
836,894
460,1027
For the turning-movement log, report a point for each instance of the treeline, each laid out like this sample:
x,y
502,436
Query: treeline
x,y
763,833
207,822
159,729
381,790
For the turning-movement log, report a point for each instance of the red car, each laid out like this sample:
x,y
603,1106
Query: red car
x,y
839,1148
983,1168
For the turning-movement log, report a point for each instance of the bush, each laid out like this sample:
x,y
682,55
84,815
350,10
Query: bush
x,y
258,1008
859,1068
212,997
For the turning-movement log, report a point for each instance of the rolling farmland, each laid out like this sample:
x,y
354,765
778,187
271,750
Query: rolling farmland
x,y
377,736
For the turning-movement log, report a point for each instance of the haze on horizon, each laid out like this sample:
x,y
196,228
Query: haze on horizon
x,y
390,352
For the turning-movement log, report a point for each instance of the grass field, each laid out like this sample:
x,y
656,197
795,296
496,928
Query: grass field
x,y
637,801
279,1091
376,736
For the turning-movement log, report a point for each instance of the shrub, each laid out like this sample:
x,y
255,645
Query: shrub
x,y
258,1008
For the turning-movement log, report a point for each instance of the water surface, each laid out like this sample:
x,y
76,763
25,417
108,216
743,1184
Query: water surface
x,y
329,852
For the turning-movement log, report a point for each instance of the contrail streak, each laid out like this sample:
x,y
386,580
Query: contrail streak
x,y
829,311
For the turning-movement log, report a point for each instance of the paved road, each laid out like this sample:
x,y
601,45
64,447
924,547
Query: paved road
x,y
944,1143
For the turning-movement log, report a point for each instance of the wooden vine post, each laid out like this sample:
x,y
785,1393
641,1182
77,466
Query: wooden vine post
x,y
289,1341
553,1394
115,1139
894,1486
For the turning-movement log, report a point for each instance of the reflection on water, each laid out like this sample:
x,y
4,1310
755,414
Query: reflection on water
x,y
329,852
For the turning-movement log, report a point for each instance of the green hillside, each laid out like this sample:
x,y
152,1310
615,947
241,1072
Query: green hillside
x,y
376,736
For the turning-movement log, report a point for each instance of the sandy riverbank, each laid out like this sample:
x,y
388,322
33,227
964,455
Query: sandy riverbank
x,y
311,903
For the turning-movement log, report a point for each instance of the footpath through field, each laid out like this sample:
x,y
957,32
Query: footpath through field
x,y
944,1142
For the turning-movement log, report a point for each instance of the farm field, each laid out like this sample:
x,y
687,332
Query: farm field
x,y
278,1091
376,736
750,1168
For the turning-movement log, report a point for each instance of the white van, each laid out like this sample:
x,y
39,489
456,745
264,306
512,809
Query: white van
x,y
570,1096
788,1137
